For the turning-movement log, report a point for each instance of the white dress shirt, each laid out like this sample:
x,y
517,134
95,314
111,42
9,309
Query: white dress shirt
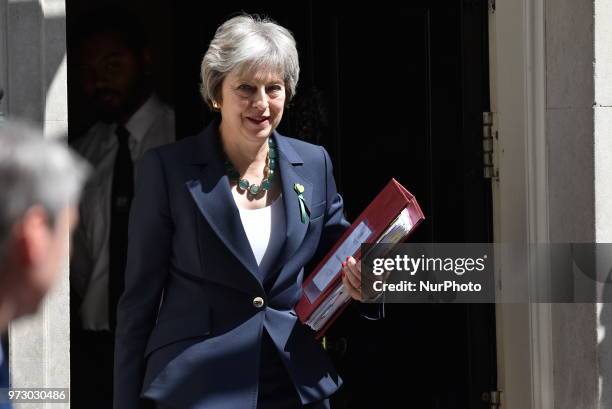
x,y
152,125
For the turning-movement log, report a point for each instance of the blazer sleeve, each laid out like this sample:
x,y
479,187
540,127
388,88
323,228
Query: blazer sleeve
x,y
335,225
149,246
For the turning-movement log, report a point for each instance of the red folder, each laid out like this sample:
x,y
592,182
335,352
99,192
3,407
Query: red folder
x,y
367,228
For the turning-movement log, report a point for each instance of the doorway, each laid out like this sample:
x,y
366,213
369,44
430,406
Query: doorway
x,y
390,91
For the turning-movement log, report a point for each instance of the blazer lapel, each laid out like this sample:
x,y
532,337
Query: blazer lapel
x,y
289,163
211,192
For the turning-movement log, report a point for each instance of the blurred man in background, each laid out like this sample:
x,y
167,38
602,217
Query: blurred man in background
x,y
40,184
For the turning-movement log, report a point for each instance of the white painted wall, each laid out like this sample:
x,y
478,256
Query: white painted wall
x,y
553,88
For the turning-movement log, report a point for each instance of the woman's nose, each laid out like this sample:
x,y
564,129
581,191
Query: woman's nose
x,y
261,99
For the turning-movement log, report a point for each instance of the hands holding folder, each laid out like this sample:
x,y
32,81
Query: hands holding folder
x,y
351,278
390,218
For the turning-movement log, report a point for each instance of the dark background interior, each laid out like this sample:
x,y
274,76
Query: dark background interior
x,y
390,91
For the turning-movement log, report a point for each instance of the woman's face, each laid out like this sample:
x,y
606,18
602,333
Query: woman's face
x,y
252,106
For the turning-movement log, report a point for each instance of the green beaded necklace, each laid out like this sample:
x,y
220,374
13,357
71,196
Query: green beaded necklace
x,y
252,188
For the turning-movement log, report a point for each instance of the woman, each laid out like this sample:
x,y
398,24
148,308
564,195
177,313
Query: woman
x,y
221,227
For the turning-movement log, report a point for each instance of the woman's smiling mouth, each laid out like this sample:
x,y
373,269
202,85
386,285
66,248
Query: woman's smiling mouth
x,y
259,120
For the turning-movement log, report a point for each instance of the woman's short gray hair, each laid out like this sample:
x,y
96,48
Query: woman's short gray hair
x,y
249,43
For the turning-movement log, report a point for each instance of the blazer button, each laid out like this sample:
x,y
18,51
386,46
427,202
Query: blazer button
x,y
258,302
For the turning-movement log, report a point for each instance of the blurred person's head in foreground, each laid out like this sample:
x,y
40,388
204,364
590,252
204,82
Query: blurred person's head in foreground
x,y
113,63
40,185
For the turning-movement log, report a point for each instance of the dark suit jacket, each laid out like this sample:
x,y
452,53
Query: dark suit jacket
x,y
189,332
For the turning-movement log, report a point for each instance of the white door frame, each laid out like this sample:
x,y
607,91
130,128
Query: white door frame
x,y
520,197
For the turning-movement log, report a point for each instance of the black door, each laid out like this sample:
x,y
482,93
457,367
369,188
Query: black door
x,y
390,91
406,87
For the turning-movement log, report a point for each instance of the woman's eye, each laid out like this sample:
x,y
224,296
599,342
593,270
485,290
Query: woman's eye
x,y
244,88
275,88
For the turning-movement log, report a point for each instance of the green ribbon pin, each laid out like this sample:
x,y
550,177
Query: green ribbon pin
x,y
304,212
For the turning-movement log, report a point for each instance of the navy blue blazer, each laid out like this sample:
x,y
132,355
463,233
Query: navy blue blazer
x,y
189,332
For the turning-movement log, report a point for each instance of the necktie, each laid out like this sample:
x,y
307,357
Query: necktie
x,y
121,199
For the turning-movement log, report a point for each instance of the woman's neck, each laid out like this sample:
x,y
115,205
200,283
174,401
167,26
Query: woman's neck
x,y
246,156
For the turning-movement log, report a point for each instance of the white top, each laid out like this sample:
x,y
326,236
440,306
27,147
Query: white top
x,y
265,229
152,125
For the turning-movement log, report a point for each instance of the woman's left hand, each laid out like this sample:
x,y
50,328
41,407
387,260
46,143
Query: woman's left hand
x,y
351,277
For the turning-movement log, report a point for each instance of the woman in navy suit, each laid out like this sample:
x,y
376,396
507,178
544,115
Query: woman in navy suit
x,y
221,227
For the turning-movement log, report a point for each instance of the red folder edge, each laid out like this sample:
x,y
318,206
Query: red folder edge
x,y
386,206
